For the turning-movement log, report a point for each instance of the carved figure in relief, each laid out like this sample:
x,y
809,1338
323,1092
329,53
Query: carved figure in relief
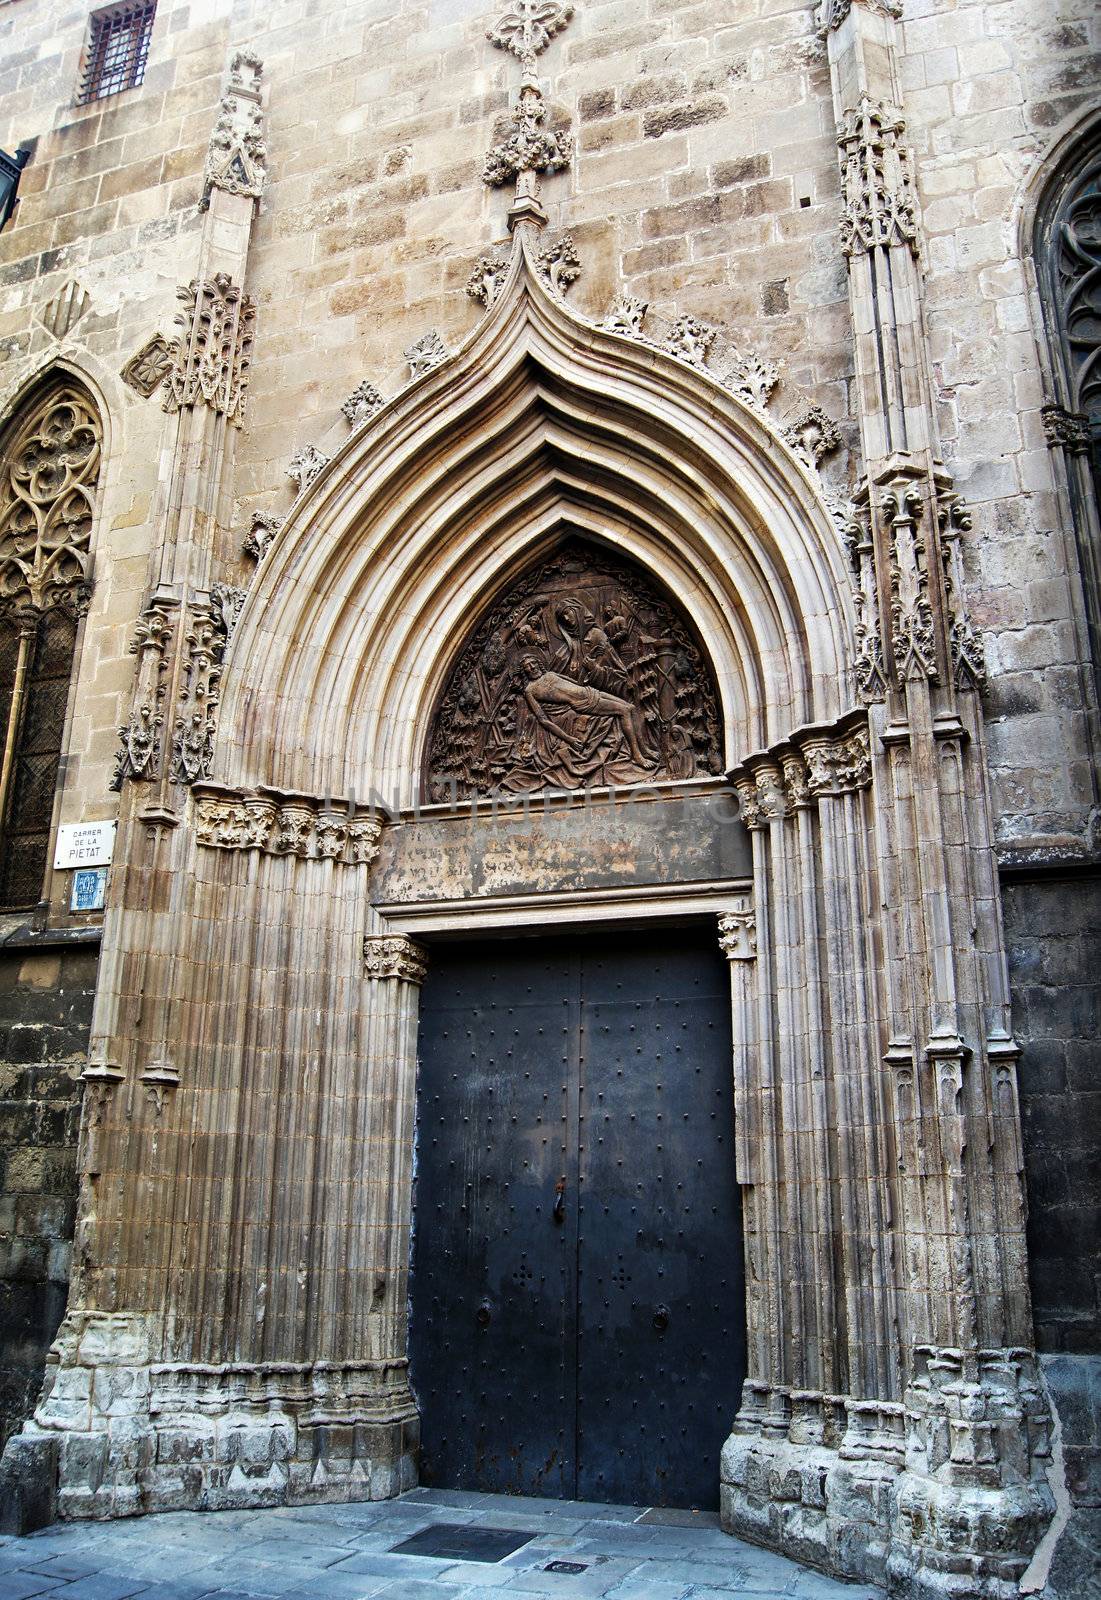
x,y
581,676
594,710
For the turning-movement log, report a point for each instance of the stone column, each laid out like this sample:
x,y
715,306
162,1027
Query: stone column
x,y
972,1499
816,1445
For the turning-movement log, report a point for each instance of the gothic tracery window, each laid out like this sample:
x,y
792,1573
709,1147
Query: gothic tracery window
x,y
49,467
1068,261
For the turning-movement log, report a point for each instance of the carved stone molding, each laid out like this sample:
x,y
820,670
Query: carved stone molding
x,y
977,1421
869,670
425,353
362,404
738,931
1066,430
877,185
965,646
237,158
626,315
265,525
210,627
305,465
148,367
913,639
212,353
528,27
812,435
904,497
690,339
487,279
832,13
344,1391
529,148
560,264
774,784
752,378
281,823
140,735
394,955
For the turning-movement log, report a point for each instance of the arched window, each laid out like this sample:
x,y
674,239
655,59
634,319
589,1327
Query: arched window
x,y
49,467
1067,249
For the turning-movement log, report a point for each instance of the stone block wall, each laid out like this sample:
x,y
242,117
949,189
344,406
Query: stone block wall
x,y
704,180
45,1010
1053,933
1053,936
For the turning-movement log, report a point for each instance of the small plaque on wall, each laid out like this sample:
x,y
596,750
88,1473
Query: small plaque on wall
x,y
89,888
84,844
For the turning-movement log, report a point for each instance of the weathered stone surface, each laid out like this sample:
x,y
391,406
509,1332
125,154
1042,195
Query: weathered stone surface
x,y
45,1008
880,562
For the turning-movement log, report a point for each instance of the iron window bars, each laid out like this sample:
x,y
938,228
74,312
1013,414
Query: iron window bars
x,y
118,48
10,169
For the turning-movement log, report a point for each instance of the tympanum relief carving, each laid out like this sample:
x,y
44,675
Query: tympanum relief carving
x,y
581,676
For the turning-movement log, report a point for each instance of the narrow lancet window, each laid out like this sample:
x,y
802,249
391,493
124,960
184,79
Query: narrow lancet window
x,y
49,468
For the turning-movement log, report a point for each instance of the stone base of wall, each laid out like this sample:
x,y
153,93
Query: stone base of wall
x,y
946,1496
123,1435
813,1476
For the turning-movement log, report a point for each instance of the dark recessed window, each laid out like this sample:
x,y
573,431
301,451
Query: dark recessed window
x,y
117,50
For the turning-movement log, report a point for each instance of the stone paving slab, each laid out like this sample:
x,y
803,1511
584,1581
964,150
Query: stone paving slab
x,y
345,1552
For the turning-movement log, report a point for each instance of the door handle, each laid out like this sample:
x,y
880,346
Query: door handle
x,y
483,1316
661,1318
559,1212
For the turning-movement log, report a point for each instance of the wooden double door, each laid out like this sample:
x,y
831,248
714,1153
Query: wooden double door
x,y
578,1308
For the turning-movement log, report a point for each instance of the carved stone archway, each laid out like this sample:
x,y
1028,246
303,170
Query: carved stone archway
x,y
244,1233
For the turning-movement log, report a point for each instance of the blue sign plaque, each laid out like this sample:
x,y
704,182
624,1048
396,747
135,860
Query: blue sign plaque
x,y
89,884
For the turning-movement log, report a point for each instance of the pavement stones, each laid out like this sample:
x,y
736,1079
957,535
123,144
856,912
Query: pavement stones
x,y
344,1553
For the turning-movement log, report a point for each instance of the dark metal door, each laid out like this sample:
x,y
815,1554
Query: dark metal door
x,y
577,1297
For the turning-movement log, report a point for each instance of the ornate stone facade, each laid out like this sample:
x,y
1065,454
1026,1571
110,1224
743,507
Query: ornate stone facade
x,y
725,553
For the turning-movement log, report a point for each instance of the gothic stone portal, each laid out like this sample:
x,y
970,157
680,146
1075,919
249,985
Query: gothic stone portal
x,y
581,676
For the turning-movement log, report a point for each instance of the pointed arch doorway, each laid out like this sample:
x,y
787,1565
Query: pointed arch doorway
x,y
577,1305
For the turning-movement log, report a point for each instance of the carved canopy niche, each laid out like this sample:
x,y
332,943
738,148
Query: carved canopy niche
x,y
583,674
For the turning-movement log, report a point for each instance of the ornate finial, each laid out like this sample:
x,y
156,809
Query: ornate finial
x,y
529,149
237,158
528,28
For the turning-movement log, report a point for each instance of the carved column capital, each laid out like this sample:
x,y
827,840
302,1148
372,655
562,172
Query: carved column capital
x,y
839,765
395,955
212,352
285,824
738,931
771,796
746,790
1066,430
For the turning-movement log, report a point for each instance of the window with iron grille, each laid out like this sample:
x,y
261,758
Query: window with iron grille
x,y
117,50
49,468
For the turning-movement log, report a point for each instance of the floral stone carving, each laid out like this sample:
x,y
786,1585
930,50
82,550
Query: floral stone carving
x,y
583,674
362,404
427,352
148,367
